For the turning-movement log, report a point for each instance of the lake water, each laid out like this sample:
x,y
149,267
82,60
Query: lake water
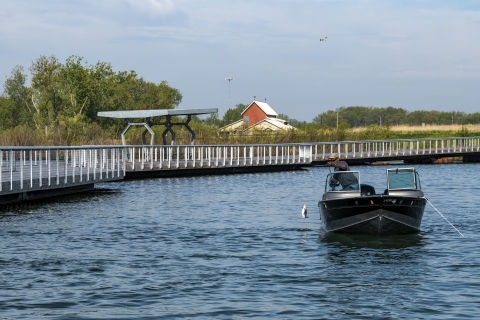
x,y
235,247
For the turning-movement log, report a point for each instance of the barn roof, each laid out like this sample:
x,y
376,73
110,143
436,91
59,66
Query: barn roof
x,y
264,106
233,126
267,123
273,124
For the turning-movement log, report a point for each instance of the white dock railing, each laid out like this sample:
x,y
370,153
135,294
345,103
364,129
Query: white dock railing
x,y
211,156
35,168
398,147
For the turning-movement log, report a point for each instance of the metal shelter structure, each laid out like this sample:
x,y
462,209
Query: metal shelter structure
x,y
146,115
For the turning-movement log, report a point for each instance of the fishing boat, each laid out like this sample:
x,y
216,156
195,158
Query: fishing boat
x,y
349,206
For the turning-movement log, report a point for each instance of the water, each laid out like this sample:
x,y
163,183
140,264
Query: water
x,y
235,247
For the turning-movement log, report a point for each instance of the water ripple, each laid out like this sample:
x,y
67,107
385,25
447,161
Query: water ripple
x,y
236,247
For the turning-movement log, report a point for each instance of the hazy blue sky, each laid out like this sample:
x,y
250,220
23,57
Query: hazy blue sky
x,y
415,55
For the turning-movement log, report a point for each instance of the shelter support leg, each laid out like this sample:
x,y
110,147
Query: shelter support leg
x,y
168,126
190,129
129,124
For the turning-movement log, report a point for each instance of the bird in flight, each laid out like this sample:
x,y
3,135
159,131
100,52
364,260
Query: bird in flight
x,y
324,39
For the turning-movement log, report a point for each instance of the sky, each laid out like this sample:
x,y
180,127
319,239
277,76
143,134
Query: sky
x,y
415,55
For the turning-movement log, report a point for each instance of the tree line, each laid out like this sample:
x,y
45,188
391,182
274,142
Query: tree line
x,y
359,116
61,100
57,103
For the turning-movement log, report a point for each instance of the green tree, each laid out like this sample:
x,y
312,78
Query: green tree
x,y
64,99
293,122
78,87
473,118
233,114
18,110
328,119
46,90
213,120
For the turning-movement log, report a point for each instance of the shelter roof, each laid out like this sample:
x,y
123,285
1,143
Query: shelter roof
x,y
128,114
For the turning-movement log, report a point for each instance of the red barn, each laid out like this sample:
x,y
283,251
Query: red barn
x,y
256,112
258,116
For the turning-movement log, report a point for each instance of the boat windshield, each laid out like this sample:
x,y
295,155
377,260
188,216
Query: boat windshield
x,y
403,179
343,181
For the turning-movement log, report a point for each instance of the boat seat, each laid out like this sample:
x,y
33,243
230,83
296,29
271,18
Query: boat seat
x,y
367,190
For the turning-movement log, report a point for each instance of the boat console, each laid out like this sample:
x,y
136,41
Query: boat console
x,y
403,182
346,184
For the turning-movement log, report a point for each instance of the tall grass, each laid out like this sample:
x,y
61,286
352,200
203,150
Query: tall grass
x,y
59,136
79,133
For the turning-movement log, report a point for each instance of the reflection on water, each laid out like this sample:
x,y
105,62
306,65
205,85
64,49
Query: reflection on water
x,y
352,241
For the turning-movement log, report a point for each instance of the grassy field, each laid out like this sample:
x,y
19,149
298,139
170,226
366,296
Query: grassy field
x,y
428,131
436,128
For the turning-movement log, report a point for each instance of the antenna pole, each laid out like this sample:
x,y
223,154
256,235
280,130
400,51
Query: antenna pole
x,y
229,79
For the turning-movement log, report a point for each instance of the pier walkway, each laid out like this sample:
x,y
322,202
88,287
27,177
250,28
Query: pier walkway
x,y
29,173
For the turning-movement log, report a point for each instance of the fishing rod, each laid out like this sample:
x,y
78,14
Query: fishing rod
x,y
444,217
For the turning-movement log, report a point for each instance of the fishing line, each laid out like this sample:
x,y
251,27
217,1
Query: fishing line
x,y
444,217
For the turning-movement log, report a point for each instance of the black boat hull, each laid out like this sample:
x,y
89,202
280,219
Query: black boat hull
x,y
373,215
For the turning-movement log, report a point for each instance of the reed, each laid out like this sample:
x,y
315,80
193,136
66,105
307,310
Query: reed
x,y
430,128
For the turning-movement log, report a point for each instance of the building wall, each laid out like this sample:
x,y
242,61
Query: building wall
x,y
254,114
